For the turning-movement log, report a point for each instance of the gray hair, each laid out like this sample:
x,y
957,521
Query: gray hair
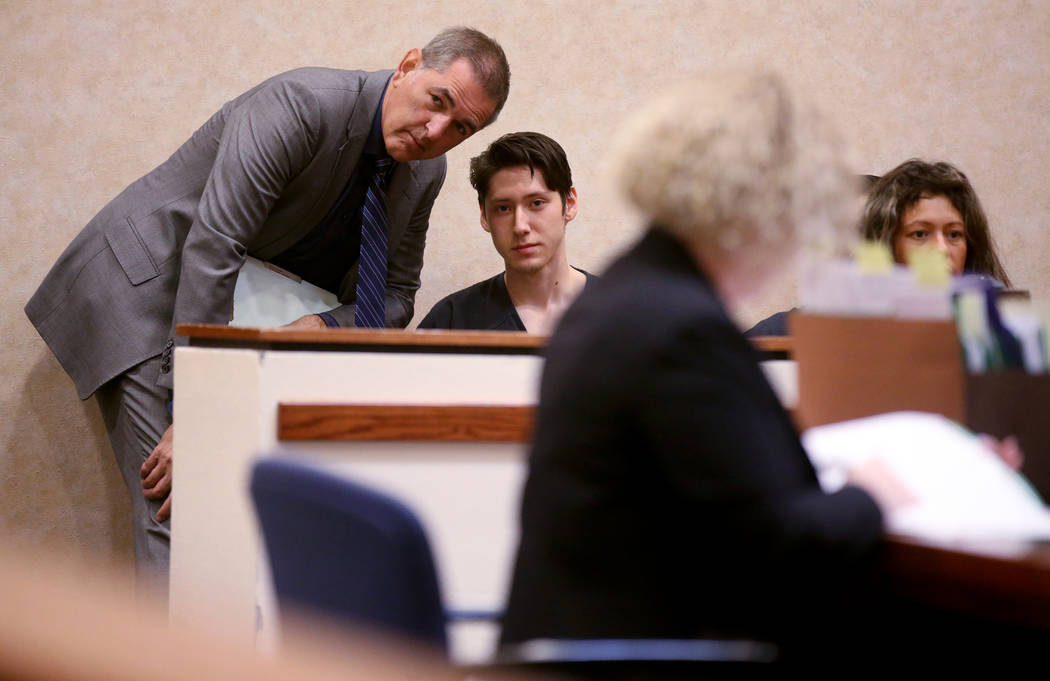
x,y
731,161
483,53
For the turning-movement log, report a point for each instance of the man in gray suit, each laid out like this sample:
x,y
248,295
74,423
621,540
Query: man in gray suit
x,y
287,172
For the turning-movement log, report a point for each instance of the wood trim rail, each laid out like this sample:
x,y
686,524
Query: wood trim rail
x,y
220,335
372,422
774,344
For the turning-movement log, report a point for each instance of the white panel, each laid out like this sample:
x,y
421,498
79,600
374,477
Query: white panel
x,y
466,494
401,378
214,546
782,374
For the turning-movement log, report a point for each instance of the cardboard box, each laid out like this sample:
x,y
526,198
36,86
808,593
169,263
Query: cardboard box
x,y
849,367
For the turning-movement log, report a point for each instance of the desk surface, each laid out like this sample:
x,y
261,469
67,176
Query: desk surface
x,y
1014,589
1011,588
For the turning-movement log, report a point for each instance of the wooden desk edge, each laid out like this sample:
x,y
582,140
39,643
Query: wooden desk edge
x,y
209,334
1014,588
217,335
784,344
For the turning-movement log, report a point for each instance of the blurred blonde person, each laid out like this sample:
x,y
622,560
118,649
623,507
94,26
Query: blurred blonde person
x,y
668,495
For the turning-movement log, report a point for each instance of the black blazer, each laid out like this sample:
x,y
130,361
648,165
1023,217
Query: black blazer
x,y
668,494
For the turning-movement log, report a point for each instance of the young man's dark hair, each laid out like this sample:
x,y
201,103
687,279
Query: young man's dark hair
x,y
532,149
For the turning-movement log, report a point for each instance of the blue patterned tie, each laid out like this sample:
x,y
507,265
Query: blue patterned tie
x,y
370,310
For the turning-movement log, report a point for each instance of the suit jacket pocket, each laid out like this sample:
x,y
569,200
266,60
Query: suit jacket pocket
x,y
131,253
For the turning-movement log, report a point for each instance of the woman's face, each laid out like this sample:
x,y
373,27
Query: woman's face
x,y
932,222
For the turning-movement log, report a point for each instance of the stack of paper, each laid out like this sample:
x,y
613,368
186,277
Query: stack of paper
x,y
963,491
266,296
850,289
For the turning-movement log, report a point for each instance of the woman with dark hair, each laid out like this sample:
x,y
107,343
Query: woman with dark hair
x,y
920,204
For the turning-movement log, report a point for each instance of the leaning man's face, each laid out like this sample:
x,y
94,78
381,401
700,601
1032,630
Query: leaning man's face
x,y
427,112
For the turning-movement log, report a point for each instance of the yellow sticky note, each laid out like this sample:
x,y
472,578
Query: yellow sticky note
x,y
930,265
873,257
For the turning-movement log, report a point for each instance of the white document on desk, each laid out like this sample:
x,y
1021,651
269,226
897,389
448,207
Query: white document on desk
x,y
964,492
266,296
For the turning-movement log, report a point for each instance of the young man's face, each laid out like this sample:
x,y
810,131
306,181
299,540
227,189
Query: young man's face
x,y
427,112
526,219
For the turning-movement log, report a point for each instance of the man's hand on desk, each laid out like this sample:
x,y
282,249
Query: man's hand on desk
x,y
1007,449
310,321
156,474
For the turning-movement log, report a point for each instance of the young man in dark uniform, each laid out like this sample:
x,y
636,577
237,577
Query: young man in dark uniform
x,y
526,197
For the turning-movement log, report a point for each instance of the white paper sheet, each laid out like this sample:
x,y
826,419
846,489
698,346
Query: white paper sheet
x,y
265,298
964,492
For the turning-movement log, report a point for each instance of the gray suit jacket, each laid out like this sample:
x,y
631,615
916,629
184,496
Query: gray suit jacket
x,y
253,180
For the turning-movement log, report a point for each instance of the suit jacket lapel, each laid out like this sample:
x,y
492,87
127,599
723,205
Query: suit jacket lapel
x,y
357,129
404,186
333,176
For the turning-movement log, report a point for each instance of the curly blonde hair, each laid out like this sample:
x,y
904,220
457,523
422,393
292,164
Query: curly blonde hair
x,y
731,161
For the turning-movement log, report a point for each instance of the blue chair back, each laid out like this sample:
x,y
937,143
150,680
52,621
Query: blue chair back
x,y
345,550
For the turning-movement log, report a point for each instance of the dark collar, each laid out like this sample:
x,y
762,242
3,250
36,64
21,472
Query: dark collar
x,y
375,145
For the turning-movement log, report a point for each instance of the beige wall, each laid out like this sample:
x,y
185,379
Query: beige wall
x,y
94,94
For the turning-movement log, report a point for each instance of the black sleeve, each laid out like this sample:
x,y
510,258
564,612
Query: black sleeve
x,y
720,434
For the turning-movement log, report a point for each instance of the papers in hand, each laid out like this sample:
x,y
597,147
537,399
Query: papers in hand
x,y
964,492
265,297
